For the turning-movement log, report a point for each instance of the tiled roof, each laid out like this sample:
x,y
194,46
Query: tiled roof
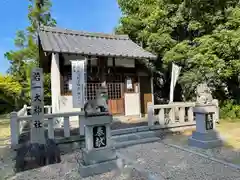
x,y
98,44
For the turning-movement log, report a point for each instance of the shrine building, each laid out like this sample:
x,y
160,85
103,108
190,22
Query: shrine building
x,y
113,60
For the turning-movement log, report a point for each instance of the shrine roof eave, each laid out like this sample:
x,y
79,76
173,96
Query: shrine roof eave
x,y
90,44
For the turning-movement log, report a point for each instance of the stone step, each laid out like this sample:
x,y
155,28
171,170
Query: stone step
x,y
125,140
133,136
124,144
125,137
119,141
147,134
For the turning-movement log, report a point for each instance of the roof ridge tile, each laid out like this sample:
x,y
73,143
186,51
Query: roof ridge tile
x,y
82,33
54,39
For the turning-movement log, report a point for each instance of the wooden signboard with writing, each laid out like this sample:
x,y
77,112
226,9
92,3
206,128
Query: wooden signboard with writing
x,y
78,83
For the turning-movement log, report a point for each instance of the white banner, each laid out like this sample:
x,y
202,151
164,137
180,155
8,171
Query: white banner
x,y
174,77
78,83
37,102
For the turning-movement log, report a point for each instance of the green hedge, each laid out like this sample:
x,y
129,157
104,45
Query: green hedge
x,y
230,110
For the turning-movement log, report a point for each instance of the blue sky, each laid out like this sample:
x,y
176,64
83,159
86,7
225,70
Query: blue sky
x,y
85,15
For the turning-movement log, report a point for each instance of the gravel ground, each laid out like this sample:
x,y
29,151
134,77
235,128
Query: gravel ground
x,y
6,163
175,164
158,159
68,170
223,153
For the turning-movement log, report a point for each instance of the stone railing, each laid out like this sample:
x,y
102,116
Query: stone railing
x,y
22,112
174,114
18,121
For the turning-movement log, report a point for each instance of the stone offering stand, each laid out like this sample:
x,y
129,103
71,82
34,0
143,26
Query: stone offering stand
x,y
205,135
99,155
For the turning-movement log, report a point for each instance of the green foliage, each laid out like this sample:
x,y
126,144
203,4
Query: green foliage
x,y
10,93
26,56
47,89
230,110
203,37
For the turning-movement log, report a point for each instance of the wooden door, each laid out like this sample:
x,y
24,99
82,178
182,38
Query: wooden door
x,y
145,93
115,98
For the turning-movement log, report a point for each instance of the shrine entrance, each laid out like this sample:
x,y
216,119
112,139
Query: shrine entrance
x,y
115,96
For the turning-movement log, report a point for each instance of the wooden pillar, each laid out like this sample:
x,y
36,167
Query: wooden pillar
x,y
102,61
114,66
152,89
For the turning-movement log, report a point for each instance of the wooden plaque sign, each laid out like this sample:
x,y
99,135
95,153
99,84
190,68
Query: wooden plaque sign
x,y
78,83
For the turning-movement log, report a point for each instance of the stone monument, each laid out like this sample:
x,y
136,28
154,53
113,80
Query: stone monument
x,y
40,150
205,111
99,155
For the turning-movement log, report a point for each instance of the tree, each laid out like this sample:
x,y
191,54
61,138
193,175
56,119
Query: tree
x,y
10,93
200,36
26,56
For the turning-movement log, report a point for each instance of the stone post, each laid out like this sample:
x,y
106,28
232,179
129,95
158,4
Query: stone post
x,y
14,124
216,114
99,156
205,135
150,108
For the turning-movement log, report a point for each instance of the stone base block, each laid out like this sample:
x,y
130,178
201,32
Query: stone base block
x,y
30,156
99,155
205,140
209,136
99,168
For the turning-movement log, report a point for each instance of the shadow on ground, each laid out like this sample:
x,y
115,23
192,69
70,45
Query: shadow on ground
x,y
7,155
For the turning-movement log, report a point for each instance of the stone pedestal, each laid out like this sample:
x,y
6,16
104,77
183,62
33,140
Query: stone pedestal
x,y
34,155
205,135
99,156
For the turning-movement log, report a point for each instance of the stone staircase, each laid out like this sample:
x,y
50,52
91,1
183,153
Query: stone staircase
x,y
119,141
125,140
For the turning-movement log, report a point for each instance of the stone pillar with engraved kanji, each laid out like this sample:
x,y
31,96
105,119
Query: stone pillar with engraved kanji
x,y
37,107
